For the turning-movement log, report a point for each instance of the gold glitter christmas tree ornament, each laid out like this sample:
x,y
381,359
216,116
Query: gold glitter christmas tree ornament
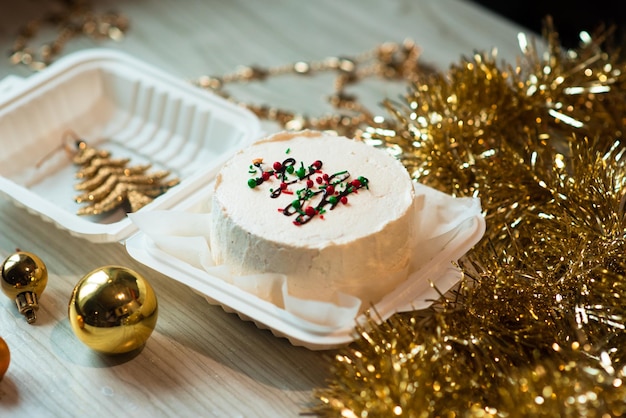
x,y
109,183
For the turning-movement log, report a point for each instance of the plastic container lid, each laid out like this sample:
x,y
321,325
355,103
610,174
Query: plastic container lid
x,y
120,104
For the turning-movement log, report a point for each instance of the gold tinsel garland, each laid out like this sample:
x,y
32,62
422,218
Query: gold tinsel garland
x,y
537,325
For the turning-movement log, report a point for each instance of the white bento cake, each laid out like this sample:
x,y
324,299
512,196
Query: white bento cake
x,y
330,213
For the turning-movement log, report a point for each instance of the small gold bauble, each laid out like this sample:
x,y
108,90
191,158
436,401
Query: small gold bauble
x,y
113,310
5,357
24,278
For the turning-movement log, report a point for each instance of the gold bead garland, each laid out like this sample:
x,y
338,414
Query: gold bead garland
x,y
74,18
389,61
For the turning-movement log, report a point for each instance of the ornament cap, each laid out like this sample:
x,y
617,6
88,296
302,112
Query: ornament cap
x,y
27,305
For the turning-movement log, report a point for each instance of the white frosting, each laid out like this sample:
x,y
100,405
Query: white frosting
x,y
361,248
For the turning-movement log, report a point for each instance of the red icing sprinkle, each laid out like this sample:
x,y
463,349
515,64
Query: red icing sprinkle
x,y
283,186
344,199
356,183
319,180
309,183
330,190
325,177
266,175
277,166
310,211
317,164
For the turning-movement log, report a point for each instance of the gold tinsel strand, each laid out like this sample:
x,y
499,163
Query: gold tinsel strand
x,y
537,325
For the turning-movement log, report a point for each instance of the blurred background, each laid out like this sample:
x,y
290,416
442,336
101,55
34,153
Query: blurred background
x,y
570,17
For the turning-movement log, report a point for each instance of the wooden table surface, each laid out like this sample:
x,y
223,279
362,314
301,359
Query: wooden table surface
x,y
200,360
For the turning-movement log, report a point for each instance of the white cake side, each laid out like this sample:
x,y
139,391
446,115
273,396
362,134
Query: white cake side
x,y
358,243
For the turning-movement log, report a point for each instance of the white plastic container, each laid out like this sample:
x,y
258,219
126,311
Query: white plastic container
x,y
118,103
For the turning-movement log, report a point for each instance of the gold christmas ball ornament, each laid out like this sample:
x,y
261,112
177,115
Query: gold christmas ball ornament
x,y
24,278
113,310
5,357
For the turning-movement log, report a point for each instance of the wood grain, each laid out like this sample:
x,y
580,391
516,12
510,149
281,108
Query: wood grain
x,y
201,361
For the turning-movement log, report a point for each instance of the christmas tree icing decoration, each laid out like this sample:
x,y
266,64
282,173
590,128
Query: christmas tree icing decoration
x,y
108,183
315,192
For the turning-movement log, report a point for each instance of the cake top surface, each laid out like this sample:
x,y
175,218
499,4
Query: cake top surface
x,y
309,188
